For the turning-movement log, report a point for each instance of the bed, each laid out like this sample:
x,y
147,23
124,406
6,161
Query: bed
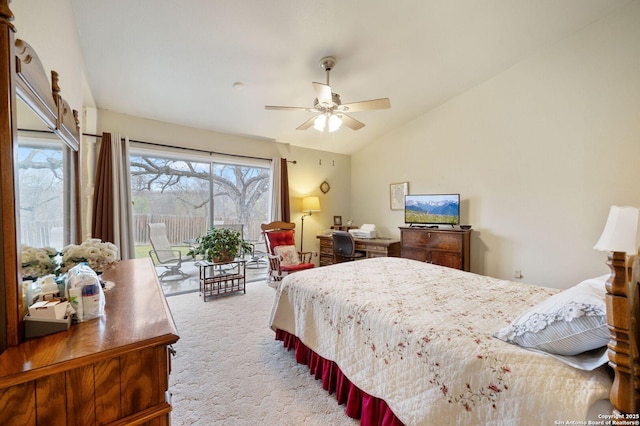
x,y
406,342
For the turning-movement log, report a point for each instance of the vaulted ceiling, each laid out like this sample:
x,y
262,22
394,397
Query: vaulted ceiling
x,y
179,61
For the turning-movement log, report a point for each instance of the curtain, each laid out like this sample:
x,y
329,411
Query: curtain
x,y
70,197
276,207
112,210
280,208
284,191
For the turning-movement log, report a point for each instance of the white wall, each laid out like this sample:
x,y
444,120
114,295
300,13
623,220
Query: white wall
x,y
538,154
50,28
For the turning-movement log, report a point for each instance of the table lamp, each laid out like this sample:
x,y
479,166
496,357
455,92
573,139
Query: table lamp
x,y
619,237
309,205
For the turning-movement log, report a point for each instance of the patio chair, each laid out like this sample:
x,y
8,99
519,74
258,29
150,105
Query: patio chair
x,y
257,257
164,255
283,256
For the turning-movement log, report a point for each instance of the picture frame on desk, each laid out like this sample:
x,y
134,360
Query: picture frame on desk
x,y
337,221
397,191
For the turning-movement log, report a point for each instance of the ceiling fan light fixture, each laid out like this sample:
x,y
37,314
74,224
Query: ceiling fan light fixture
x,y
320,122
331,112
335,121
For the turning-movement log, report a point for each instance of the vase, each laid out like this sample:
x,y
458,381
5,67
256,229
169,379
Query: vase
x,y
224,257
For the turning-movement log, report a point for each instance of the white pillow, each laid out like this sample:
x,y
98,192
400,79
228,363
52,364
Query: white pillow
x,y
568,323
289,255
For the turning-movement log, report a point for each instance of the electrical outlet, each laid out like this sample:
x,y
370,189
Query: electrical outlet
x,y
517,273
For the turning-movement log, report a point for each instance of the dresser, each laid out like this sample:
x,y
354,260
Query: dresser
x,y
446,247
371,247
111,370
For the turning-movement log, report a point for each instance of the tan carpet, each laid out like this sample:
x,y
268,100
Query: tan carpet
x,y
229,370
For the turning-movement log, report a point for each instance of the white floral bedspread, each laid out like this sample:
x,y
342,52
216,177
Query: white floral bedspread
x,y
419,337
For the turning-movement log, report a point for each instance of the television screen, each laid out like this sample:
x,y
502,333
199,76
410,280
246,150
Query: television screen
x,y
432,209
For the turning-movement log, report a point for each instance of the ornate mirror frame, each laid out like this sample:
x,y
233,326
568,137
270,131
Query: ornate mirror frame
x,y
22,75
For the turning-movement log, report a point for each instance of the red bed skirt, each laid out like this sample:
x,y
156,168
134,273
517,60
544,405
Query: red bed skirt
x,y
359,405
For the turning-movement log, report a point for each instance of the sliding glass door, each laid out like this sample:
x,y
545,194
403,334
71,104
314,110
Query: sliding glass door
x,y
241,196
190,194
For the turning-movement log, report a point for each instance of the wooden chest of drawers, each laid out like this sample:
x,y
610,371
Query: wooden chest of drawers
x,y
449,247
110,370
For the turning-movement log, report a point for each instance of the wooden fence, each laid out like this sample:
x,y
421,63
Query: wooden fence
x,y
186,228
179,230
41,233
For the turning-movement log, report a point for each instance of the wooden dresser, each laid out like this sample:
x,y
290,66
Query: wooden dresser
x,y
112,370
446,247
372,247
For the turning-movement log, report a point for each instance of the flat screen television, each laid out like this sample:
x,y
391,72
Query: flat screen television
x,y
432,209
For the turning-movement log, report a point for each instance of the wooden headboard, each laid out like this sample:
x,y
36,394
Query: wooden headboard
x,y
622,318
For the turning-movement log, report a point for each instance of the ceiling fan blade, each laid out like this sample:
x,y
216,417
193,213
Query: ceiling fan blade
x,y
351,122
306,124
323,93
382,103
289,108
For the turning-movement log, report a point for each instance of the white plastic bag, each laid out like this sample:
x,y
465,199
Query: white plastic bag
x,y
85,292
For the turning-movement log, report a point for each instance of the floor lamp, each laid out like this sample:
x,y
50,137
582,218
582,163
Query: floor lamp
x,y
619,238
309,205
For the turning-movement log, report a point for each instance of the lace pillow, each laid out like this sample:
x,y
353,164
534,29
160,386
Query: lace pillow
x,y
289,255
568,323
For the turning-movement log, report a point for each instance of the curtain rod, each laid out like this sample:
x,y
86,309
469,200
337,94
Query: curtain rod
x,y
193,149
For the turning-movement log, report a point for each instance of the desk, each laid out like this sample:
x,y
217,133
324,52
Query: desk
x,y
372,247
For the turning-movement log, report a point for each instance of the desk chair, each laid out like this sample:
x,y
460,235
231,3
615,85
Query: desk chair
x,y
344,247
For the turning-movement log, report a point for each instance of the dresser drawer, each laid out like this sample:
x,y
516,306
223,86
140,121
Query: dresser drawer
x,y
326,246
429,239
438,246
443,258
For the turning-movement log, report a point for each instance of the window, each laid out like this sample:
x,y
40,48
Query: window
x,y
191,193
41,188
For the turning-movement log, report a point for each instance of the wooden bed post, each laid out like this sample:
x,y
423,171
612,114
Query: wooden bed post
x,y
622,311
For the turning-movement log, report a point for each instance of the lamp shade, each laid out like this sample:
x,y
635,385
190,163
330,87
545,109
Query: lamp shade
x,y
620,231
310,204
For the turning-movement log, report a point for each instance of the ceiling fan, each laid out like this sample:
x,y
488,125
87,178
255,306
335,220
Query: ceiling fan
x,y
331,112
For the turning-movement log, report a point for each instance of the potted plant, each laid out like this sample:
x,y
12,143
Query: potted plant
x,y
220,245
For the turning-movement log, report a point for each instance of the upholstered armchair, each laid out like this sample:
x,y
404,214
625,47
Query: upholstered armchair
x,y
283,256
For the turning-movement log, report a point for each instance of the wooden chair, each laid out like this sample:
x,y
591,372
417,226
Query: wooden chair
x,y
344,247
282,234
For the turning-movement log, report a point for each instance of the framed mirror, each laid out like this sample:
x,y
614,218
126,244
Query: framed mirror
x,y
46,184
39,179
46,172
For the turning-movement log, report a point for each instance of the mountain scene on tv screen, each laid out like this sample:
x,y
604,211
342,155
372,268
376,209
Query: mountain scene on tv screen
x,y
431,211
